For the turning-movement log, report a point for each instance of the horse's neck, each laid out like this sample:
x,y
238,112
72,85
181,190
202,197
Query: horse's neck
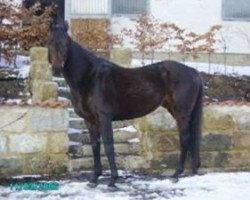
x,y
78,66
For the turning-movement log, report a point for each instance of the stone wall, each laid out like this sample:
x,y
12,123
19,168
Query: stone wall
x,y
154,145
33,134
40,80
225,143
232,59
33,140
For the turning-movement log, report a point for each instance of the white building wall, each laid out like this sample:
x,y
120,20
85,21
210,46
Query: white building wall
x,y
193,15
197,16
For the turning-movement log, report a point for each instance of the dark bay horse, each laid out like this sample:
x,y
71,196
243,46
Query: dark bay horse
x,y
103,92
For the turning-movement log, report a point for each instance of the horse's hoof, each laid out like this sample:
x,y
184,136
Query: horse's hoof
x,y
113,188
174,179
92,185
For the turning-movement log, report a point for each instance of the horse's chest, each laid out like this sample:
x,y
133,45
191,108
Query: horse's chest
x,y
83,107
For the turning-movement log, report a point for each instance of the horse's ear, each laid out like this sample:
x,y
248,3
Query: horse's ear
x,y
59,21
66,26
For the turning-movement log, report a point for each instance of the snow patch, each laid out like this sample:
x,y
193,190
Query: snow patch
x,y
27,176
73,131
216,186
24,71
128,129
20,62
134,141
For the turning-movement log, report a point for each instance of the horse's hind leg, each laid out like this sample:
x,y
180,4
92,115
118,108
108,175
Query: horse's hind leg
x,y
95,142
195,153
184,138
108,141
180,105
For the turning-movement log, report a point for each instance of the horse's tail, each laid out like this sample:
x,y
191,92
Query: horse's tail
x,y
196,126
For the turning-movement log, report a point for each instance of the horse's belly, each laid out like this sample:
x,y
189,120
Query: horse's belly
x,y
131,111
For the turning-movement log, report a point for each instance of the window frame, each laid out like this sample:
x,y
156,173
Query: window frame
x,y
228,18
129,14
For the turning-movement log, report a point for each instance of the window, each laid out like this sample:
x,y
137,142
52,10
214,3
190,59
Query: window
x,y
129,6
237,10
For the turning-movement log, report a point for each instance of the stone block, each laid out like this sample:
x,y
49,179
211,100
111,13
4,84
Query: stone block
x,y
24,143
127,149
85,163
3,144
123,162
58,142
38,54
122,124
134,162
48,120
162,142
208,159
46,164
40,70
122,56
124,136
159,120
60,164
43,91
243,121
214,120
216,142
241,140
221,160
237,160
10,166
14,119
157,143
165,161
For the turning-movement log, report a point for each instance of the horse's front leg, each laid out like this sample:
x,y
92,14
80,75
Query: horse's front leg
x,y
95,142
108,141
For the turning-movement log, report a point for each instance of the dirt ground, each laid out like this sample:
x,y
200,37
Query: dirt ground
x,y
216,87
222,88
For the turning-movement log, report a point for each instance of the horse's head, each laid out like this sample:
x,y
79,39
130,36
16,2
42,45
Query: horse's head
x,y
58,45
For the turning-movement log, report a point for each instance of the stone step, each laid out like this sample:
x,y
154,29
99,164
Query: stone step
x,y
60,81
77,123
76,135
72,113
122,124
64,92
123,162
75,150
120,149
120,136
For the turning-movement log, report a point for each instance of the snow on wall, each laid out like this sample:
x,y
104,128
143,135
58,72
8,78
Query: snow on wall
x,y
197,16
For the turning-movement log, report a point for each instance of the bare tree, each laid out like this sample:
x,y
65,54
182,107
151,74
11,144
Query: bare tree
x,y
148,35
14,35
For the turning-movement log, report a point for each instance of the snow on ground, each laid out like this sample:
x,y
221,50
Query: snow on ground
x,y
215,186
20,61
24,71
22,65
